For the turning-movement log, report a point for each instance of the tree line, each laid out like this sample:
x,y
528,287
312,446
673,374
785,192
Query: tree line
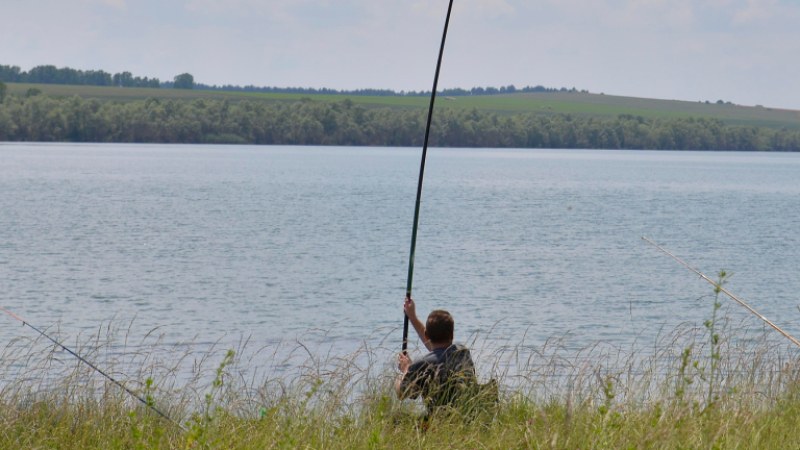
x,y
38,117
449,92
49,74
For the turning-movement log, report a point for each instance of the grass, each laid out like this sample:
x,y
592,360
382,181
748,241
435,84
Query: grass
x,y
698,387
576,103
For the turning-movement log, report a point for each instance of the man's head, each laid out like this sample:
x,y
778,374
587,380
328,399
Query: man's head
x,y
439,327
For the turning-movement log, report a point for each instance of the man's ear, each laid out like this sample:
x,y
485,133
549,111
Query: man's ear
x,y
427,338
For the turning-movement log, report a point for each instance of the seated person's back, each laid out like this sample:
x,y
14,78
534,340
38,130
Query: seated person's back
x,y
440,376
444,373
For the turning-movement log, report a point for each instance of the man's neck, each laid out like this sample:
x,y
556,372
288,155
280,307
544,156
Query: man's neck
x,y
440,345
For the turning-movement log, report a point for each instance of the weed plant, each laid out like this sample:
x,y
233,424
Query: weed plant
x,y
699,387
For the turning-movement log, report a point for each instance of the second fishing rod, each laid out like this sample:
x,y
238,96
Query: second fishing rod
x,y
720,288
144,401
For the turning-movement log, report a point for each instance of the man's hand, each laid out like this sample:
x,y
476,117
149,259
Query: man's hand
x,y
403,362
410,308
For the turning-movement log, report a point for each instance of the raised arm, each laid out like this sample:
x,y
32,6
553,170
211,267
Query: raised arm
x,y
411,311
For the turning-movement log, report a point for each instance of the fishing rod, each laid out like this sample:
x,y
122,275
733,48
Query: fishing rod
x,y
422,173
96,369
723,290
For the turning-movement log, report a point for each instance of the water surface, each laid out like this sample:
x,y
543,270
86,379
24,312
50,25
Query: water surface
x,y
309,244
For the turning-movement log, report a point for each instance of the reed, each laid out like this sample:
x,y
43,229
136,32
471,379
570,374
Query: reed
x,y
696,387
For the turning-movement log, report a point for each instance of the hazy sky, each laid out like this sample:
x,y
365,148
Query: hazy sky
x,y
744,51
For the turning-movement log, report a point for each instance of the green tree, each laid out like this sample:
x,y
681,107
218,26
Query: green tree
x,y
124,79
12,74
2,91
7,126
184,81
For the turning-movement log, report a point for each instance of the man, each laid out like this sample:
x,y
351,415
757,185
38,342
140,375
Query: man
x,y
446,374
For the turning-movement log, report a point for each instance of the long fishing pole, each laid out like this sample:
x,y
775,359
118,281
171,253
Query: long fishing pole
x,y
422,173
96,369
723,290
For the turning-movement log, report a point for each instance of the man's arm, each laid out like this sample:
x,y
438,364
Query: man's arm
x,y
411,311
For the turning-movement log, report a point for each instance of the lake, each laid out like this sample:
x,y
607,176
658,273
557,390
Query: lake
x,y
309,245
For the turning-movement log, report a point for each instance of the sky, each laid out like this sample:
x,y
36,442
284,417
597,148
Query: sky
x,y
743,51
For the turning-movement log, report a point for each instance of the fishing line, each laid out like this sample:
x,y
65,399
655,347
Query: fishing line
x,y
96,369
723,290
422,173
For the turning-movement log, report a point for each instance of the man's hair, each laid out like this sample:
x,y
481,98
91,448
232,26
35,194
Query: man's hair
x,y
439,326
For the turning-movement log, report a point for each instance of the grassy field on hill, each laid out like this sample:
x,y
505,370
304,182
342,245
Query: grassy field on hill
x,y
546,103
